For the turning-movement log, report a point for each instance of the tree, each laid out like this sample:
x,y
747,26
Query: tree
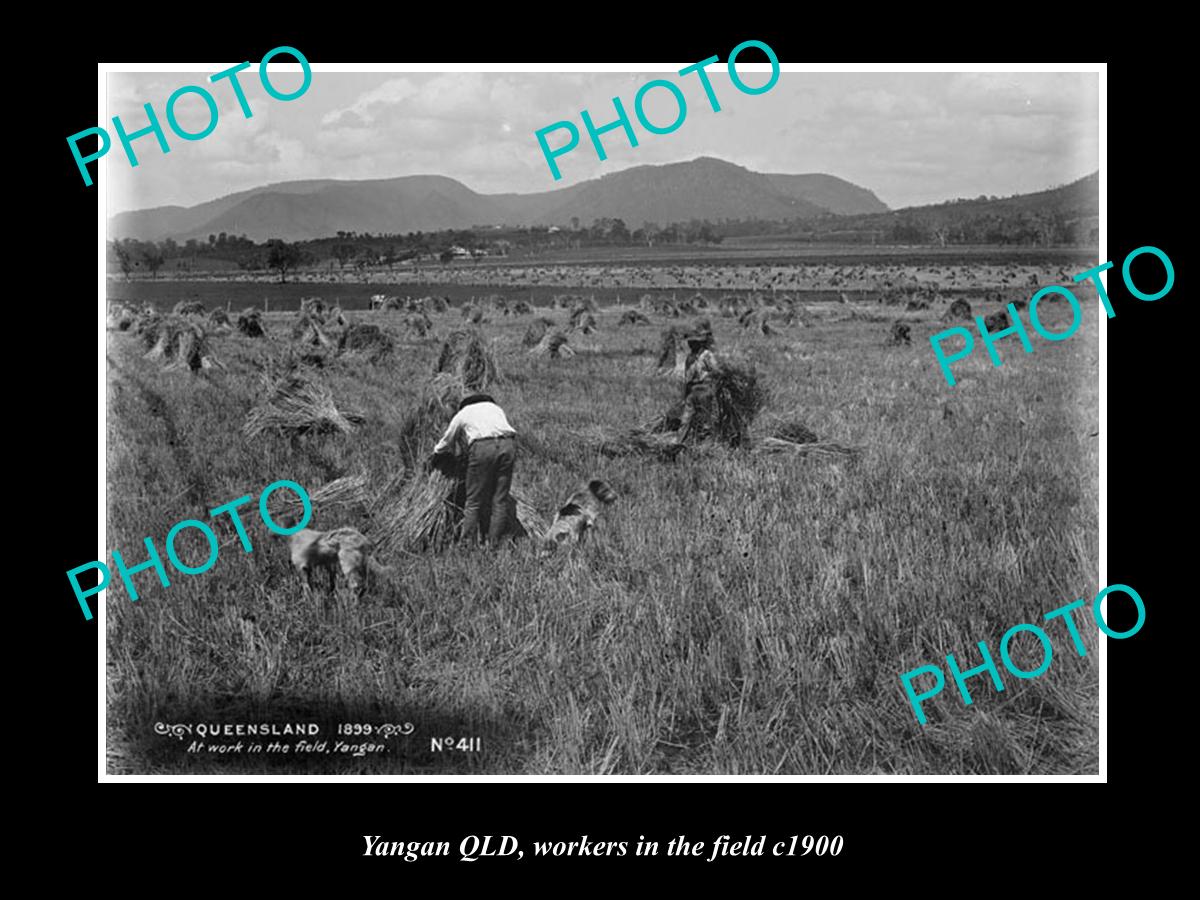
x,y
124,254
282,257
153,257
343,253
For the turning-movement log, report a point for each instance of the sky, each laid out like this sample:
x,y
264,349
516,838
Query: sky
x,y
912,138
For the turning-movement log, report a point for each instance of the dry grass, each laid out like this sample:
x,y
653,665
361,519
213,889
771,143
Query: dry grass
x,y
740,612
296,403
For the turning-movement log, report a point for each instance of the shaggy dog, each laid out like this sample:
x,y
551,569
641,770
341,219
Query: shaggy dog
x,y
344,548
579,514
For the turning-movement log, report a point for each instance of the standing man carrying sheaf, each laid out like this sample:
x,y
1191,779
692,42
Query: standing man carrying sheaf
x,y
491,450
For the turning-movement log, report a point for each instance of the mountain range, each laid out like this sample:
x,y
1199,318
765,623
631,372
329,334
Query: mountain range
x,y
703,188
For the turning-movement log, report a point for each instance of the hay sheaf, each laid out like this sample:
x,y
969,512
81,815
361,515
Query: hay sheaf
x,y
959,310
467,354
536,331
672,352
250,323
632,317
997,321
553,344
724,407
426,512
368,341
308,331
736,396
297,403
219,318
418,324
189,308
900,335
179,343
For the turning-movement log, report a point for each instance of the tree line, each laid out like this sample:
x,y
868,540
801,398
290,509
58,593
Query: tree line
x,y
981,221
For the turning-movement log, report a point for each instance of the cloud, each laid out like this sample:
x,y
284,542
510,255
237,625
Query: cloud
x,y
911,137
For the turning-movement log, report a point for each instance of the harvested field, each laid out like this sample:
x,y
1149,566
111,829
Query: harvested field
x,y
742,609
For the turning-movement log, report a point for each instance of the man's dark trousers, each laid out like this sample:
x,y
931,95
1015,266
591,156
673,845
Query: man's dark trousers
x,y
489,476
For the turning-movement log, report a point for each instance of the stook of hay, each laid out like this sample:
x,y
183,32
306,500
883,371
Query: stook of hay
x,y
900,335
726,405
960,309
997,321
313,307
193,352
368,341
553,344
632,317
218,318
672,352
536,331
466,354
297,404
162,336
189,308
249,323
521,308
308,331
418,323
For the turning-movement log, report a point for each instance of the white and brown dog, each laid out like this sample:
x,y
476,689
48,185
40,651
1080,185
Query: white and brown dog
x,y
579,514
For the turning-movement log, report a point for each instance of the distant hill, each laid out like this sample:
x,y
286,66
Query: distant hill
x,y
834,194
703,188
1063,215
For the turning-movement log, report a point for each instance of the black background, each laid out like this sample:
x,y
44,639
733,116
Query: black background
x,y
1150,407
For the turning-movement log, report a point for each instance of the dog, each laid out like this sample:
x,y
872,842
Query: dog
x,y
342,548
579,514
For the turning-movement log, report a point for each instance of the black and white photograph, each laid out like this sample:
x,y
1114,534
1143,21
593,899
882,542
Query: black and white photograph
x,y
507,420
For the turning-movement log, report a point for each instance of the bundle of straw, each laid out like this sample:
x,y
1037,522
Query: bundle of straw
x,y
766,445
347,491
536,331
672,352
553,344
632,317
193,352
166,338
218,318
737,397
189,308
900,334
467,354
297,404
368,341
424,514
307,331
249,323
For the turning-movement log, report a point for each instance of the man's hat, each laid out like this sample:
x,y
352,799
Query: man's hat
x,y
699,337
475,398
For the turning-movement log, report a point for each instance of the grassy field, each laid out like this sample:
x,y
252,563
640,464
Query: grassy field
x,y
616,275
735,614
